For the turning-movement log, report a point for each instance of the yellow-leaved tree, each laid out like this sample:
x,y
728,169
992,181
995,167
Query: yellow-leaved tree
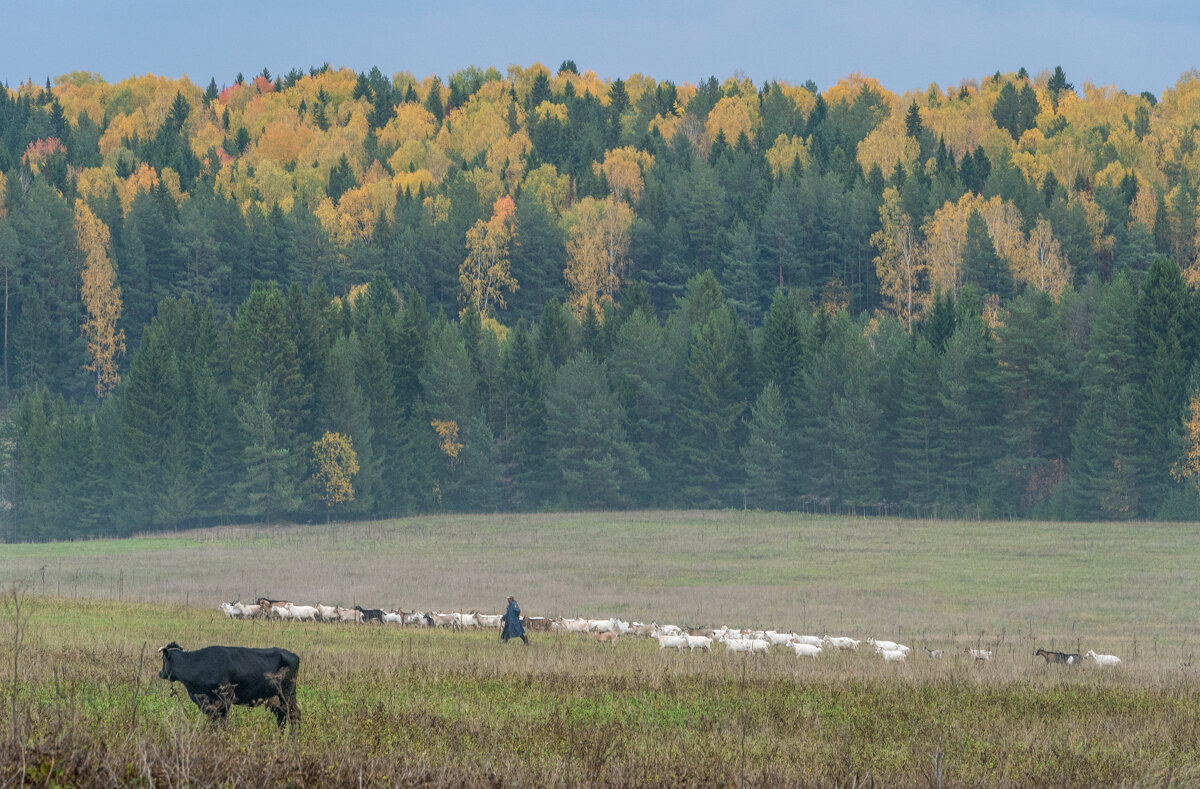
x,y
335,464
597,251
486,272
899,264
101,298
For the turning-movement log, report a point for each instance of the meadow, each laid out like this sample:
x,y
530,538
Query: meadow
x,y
82,622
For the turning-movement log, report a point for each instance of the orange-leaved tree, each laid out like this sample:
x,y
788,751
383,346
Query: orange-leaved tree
x,y
335,464
486,272
101,298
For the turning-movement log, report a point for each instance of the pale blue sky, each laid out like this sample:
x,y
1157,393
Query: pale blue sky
x,y
1137,46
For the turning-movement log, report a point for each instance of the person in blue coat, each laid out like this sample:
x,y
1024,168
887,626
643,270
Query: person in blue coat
x,y
512,623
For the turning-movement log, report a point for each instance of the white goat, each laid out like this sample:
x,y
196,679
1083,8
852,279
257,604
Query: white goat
x,y
755,646
888,645
805,650
842,642
778,639
1103,661
671,642
698,642
978,654
305,613
232,610
810,640
892,655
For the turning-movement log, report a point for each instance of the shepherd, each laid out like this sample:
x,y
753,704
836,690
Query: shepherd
x,y
512,623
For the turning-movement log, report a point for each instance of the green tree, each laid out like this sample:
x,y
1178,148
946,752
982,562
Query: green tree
x,y
593,460
765,456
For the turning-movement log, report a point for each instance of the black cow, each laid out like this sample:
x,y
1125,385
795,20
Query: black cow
x,y
216,678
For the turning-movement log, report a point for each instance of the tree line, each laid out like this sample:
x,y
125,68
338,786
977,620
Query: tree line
x,y
541,290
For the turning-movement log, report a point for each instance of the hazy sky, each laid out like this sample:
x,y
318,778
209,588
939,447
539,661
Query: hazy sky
x,y
1135,45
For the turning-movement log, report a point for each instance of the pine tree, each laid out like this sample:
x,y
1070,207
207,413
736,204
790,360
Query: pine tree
x,y
592,457
1165,342
765,456
917,464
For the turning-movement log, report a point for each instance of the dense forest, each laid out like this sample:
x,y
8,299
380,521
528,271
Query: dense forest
x,y
336,294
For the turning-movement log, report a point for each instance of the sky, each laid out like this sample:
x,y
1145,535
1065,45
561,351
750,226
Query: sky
x,y
1136,46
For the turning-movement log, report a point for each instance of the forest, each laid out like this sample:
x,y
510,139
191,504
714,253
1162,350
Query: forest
x,y
332,295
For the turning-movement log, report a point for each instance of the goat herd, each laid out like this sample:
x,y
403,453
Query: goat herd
x,y
609,630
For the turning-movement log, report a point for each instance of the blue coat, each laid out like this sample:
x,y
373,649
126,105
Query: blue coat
x,y
512,622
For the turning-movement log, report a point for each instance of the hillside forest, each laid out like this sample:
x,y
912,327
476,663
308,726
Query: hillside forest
x,y
331,294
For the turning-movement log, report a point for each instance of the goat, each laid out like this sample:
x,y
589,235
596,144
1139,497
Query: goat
x,y
232,610
887,645
606,636
698,642
492,621
370,614
1103,661
327,613
936,654
805,650
671,642
810,640
892,655
842,642
1065,658
778,639
755,646
980,655
302,613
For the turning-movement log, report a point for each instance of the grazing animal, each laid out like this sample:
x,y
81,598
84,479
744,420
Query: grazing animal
x,y
887,645
698,642
370,614
892,655
842,642
418,618
979,654
217,678
273,608
303,613
1065,658
755,646
327,613
811,640
232,610
492,621
1103,661
539,624
606,636
936,654
805,650
671,642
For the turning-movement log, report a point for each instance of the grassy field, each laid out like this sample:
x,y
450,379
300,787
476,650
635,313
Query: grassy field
x,y
82,703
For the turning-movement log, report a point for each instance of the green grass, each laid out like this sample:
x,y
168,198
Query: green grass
x,y
394,706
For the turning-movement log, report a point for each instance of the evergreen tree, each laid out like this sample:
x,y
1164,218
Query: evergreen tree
x,y
1165,343
981,265
591,455
710,413
916,440
766,457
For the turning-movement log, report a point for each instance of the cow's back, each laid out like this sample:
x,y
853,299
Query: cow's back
x,y
253,672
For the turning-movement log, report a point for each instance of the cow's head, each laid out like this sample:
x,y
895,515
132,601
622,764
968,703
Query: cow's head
x,y
168,652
